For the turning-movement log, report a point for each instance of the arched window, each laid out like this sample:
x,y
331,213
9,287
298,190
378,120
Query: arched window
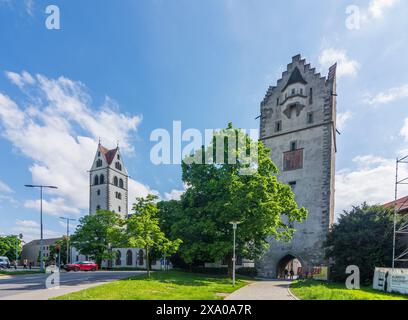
x,y
99,163
118,261
121,185
115,181
129,258
96,180
98,207
118,165
140,257
102,179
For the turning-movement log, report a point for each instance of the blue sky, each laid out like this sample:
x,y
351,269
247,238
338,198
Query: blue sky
x,y
121,69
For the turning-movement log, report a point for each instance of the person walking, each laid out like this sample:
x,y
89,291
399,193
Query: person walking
x,y
286,273
292,273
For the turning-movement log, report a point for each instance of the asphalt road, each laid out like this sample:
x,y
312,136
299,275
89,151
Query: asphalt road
x,y
29,285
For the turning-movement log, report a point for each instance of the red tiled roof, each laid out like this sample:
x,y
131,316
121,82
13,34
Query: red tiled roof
x,y
400,204
109,154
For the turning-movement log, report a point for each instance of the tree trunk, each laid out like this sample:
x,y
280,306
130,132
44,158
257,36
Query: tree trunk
x,y
147,262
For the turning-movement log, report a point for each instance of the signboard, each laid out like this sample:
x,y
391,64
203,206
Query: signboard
x,y
386,280
293,160
320,273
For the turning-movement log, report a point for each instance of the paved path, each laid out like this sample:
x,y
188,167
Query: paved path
x,y
32,287
263,290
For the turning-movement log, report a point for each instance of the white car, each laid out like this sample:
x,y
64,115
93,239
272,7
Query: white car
x,y
4,263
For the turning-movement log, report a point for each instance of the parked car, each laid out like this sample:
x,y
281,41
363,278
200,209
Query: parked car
x,y
81,266
4,263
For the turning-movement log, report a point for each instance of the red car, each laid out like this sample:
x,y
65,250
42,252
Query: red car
x,y
81,266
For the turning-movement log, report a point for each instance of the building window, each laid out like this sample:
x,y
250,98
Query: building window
x,y
96,180
310,118
292,185
129,258
140,257
102,179
118,195
99,163
118,157
119,209
98,192
278,126
293,92
311,96
301,91
118,166
121,185
99,153
98,207
277,102
293,146
118,261
115,181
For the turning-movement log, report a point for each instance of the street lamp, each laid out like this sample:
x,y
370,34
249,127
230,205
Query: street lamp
x,y
41,187
67,220
234,227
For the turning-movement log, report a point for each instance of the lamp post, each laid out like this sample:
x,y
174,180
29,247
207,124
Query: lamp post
x,y
41,187
67,220
234,228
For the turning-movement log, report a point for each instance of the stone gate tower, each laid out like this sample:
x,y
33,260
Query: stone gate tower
x,y
108,181
298,123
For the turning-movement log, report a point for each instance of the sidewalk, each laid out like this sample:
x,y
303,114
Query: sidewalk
x,y
264,290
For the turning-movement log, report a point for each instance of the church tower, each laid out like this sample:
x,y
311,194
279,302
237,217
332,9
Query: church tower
x,y
298,123
108,180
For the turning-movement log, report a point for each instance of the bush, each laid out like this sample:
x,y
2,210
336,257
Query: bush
x,y
249,272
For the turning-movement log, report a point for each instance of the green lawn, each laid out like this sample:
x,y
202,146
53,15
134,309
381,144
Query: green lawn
x,y
168,285
315,290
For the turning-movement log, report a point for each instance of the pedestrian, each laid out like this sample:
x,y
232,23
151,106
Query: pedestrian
x,y
25,263
30,265
291,274
286,273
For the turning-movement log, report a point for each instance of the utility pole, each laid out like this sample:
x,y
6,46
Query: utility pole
x,y
234,228
41,187
67,220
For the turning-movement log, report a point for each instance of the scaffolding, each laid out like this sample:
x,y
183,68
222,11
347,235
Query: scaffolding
x,y
399,231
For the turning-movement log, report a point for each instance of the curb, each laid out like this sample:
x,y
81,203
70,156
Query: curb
x,y
292,295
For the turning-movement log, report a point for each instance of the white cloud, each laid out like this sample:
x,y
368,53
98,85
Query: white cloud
x,y
388,96
173,194
138,190
58,130
376,8
372,181
342,119
31,230
5,188
55,207
345,65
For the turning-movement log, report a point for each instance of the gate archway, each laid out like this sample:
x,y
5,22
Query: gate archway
x,y
289,263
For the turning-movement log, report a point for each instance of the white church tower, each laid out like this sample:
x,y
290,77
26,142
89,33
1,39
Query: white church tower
x,y
108,182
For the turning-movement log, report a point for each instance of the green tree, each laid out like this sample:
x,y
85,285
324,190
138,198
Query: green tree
x,y
220,192
63,251
96,234
143,230
362,237
8,246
